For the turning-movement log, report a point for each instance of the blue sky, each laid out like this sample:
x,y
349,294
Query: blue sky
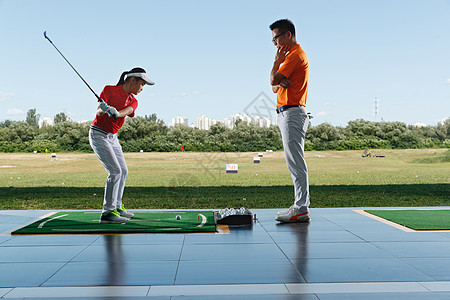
x,y
214,57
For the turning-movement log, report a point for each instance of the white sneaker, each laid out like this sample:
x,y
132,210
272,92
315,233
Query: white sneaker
x,y
293,214
124,213
113,218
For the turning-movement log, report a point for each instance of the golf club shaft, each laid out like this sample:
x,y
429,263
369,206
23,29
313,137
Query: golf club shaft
x,y
99,99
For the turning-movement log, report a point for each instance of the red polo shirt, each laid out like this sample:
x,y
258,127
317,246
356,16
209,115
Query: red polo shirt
x,y
117,97
295,68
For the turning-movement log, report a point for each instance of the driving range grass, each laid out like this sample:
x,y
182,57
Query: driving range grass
x,y
198,180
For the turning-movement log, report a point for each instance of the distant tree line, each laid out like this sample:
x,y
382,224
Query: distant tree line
x,y
148,133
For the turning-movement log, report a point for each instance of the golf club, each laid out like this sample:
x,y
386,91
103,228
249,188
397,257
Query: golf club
x,y
99,99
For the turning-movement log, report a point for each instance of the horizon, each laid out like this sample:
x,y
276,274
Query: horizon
x,y
193,124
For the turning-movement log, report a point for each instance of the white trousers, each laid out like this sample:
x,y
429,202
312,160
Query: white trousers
x,y
293,124
109,151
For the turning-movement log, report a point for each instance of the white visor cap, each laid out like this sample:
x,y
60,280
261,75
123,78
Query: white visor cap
x,y
143,76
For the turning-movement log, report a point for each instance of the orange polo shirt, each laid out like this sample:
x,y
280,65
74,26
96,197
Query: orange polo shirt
x,y
295,68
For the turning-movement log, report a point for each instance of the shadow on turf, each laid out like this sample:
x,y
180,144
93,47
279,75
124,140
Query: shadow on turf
x,y
226,196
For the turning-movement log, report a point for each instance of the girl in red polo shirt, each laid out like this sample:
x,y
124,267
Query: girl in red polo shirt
x,y
119,102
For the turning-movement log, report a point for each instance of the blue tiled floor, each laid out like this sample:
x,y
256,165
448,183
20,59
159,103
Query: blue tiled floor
x,y
114,273
338,246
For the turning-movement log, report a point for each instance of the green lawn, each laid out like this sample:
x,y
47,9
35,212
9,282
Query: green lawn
x,y
199,180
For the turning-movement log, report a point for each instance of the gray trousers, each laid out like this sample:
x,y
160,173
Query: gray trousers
x,y
109,151
293,124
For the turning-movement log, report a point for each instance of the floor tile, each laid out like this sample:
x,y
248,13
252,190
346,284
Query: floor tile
x,y
397,235
312,226
437,286
249,297
331,250
51,240
79,292
339,246
232,252
105,298
358,270
129,273
437,268
386,296
4,291
30,214
140,239
300,237
5,230
235,237
221,272
352,287
362,226
128,253
416,249
13,219
26,274
218,290
4,239
38,254
445,234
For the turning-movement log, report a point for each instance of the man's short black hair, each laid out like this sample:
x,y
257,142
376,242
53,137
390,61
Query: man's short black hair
x,y
284,25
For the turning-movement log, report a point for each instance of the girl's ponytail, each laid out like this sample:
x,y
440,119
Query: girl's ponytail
x,y
122,78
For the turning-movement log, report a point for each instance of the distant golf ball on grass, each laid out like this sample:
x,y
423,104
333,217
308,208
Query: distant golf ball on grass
x,y
178,217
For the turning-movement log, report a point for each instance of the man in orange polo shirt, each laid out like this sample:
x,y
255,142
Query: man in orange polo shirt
x,y
289,79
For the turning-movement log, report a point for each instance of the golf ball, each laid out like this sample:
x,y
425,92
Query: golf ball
x,y
178,217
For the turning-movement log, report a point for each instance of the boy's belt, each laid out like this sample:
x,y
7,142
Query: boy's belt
x,y
284,107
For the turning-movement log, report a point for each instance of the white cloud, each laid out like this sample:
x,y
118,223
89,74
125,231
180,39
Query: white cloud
x,y
448,81
321,114
420,125
187,94
5,96
184,94
328,103
14,111
45,121
442,121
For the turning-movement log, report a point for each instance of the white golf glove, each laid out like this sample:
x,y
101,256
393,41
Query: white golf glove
x,y
112,112
103,106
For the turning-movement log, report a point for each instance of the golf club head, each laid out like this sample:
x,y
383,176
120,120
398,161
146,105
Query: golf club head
x,y
45,35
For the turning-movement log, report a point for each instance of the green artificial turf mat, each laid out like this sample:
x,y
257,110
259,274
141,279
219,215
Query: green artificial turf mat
x,y
417,219
87,222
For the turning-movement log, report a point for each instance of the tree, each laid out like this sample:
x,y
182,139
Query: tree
x,y
61,117
33,118
324,136
443,130
154,119
138,128
20,132
151,134
6,123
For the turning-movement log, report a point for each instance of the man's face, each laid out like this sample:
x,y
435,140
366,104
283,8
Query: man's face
x,y
279,38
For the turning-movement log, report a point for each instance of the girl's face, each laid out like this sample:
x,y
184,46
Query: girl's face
x,y
137,85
